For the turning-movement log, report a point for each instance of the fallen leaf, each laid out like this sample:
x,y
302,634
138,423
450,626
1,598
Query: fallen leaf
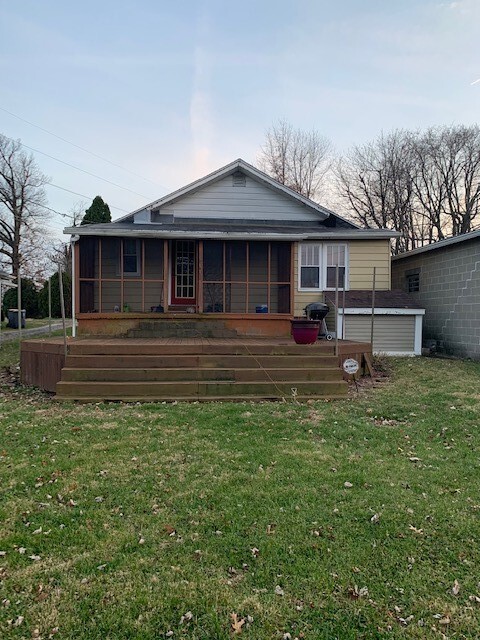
x,y
236,623
347,485
279,591
255,552
456,588
415,530
444,621
186,617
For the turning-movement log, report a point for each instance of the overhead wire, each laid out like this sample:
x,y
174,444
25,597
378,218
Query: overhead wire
x,y
73,144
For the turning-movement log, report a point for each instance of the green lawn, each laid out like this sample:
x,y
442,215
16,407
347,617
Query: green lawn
x,y
176,520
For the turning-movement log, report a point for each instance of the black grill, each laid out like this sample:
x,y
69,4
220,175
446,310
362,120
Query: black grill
x,y
316,310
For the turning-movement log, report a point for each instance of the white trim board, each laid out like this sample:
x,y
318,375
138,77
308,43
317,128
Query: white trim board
x,y
380,311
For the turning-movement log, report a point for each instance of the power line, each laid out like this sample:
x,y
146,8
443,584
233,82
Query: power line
x,y
95,155
94,175
82,195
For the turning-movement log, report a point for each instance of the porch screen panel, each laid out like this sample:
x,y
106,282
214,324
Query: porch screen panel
x,y
110,258
153,296
213,261
246,277
213,297
132,296
153,259
235,297
88,248
236,261
257,298
89,301
111,296
258,261
88,274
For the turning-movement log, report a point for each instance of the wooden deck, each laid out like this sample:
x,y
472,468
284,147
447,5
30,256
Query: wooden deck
x,y
151,369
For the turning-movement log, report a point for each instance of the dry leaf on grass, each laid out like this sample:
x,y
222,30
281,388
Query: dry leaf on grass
x,y
456,588
237,623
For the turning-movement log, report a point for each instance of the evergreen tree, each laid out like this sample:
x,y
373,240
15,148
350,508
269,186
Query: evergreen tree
x,y
29,299
67,294
98,212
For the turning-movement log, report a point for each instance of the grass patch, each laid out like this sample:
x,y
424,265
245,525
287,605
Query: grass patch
x,y
141,520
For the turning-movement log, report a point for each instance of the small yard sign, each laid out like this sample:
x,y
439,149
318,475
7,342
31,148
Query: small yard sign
x,y
350,366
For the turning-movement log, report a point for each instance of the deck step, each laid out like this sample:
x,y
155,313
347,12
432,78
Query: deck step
x,y
71,374
200,360
195,390
137,348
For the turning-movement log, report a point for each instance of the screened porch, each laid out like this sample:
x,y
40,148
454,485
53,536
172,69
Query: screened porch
x,y
154,275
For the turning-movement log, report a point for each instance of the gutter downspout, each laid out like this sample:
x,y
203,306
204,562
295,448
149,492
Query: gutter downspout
x,y
73,240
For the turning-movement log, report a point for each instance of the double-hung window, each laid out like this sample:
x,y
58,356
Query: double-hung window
x,y
318,266
310,266
336,255
131,257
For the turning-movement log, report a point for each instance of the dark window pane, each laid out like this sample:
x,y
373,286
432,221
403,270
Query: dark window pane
x,y
129,264
310,278
130,247
331,277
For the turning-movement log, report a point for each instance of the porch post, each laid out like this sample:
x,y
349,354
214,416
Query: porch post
x,y
165,275
200,277
75,282
293,256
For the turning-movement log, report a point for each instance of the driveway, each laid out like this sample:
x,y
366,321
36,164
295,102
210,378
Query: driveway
x,y
8,335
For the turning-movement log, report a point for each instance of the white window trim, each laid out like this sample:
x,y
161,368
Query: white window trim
x,y
121,270
323,266
320,266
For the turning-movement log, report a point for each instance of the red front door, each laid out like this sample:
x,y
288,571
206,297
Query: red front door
x,y
183,271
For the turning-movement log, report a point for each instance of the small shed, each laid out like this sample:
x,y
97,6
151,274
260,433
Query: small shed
x,y
397,320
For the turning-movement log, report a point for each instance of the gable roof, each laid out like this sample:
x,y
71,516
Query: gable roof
x,y
441,244
229,169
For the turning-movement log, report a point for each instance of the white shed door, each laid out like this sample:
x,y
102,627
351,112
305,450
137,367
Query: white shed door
x,y
391,332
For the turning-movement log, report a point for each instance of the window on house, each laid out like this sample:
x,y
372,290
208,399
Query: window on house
x,y
310,266
318,266
336,254
131,257
413,282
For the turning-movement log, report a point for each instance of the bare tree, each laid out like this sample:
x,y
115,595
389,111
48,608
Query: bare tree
x,y
298,159
447,178
375,182
22,202
425,184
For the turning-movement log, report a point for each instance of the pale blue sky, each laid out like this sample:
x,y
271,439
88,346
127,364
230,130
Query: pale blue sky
x,y
173,90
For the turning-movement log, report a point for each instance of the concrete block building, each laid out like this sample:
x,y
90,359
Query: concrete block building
x,y
445,279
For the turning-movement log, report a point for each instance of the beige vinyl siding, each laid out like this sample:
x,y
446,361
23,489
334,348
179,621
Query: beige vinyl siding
x,y
301,298
363,256
391,332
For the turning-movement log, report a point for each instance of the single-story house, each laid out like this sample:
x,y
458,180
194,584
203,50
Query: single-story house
x,y
236,247
444,277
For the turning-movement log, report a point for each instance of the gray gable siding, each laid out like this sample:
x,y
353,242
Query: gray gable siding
x,y
254,201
